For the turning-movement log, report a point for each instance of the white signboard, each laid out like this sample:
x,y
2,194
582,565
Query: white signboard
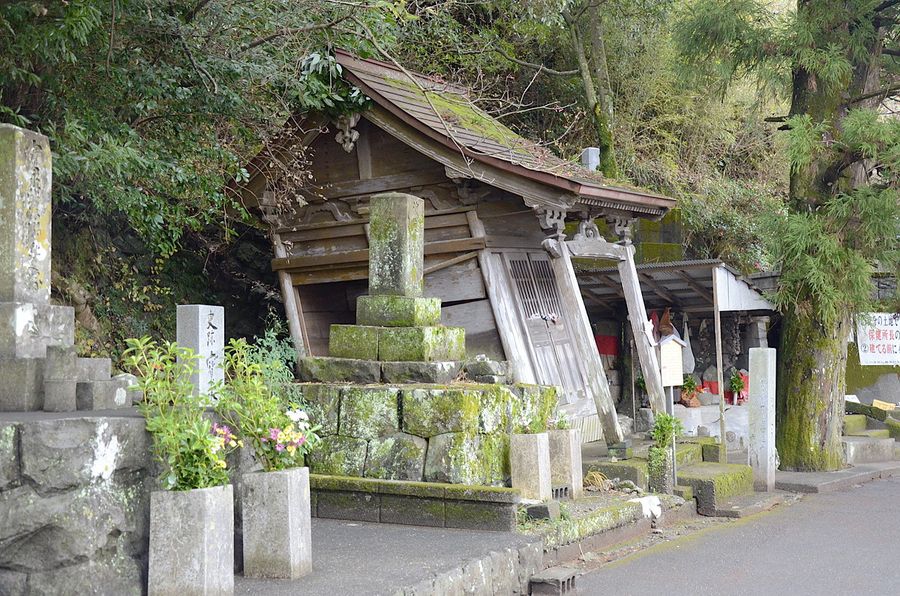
x,y
671,361
878,338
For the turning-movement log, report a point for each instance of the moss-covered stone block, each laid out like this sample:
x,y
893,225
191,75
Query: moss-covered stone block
x,y
423,344
535,405
634,470
339,456
321,369
854,423
369,412
432,411
473,515
396,244
398,311
353,341
349,505
495,412
414,511
439,373
464,458
324,404
712,453
715,483
399,456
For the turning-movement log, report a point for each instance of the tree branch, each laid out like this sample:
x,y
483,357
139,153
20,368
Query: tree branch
x,y
891,51
292,31
538,67
886,5
884,92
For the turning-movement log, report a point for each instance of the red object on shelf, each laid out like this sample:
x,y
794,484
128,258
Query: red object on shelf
x,y
711,387
608,345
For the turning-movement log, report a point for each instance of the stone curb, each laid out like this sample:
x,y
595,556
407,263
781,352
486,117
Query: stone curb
x,y
824,482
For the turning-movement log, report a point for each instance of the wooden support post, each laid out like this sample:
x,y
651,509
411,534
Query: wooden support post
x,y
585,345
643,339
723,449
291,302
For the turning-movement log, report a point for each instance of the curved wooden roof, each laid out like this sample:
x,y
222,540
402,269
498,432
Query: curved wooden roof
x,y
444,113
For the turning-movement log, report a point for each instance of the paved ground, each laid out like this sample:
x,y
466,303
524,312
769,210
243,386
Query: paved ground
x,y
844,542
360,559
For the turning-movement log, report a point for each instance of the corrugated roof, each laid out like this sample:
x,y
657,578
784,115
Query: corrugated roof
x,y
445,113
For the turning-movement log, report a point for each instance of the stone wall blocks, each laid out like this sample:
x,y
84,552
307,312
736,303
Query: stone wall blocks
x,y
369,412
338,455
9,455
324,405
400,456
432,411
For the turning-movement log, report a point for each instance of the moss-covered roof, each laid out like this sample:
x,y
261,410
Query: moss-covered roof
x,y
447,113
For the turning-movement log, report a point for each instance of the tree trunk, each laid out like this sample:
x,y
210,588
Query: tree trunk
x,y
810,408
601,121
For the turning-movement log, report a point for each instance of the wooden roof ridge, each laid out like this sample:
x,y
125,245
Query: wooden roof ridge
x,y
468,129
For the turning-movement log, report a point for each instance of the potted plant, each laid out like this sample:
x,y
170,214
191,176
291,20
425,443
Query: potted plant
x,y
689,392
275,502
737,386
660,460
192,518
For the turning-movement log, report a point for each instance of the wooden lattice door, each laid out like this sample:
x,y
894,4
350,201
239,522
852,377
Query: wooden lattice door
x,y
539,306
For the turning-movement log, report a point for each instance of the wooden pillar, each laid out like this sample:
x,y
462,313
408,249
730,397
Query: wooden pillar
x,y
719,365
291,296
643,338
585,346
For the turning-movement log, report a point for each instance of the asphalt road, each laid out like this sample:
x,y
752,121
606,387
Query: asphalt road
x,y
846,542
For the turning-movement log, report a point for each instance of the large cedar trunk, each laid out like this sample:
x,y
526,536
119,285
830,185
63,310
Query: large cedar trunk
x,y
811,375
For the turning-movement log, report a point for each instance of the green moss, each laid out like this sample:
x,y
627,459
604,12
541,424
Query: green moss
x,y
465,458
862,377
429,412
324,404
338,456
398,311
353,341
422,344
397,457
568,529
534,408
369,411
712,453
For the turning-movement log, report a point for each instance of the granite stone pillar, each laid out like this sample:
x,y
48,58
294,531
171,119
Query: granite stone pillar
x,y
396,245
202,329
762,417
529,457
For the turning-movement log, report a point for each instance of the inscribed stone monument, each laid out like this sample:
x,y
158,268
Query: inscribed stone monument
x,y
201,328
762,417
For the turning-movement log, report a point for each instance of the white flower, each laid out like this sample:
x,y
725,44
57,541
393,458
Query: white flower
x,y
297,415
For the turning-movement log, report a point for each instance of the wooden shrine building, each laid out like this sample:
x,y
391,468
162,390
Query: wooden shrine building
x,y
496,206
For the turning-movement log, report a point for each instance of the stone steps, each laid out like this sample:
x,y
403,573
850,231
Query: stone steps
x,y
744,505
875,433
860,450
714,484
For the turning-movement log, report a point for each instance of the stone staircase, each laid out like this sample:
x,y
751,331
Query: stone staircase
x,y
720,489
867,440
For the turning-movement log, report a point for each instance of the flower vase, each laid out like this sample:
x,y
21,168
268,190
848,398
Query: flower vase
x,y
191,542
276,524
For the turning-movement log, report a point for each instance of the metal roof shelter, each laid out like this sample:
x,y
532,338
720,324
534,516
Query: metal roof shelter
x,y
688,286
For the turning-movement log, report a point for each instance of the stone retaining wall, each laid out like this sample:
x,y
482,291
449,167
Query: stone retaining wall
x,y
74,504
414,503
456,433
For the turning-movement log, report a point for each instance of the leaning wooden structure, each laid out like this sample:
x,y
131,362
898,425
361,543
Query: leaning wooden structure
x,y
495,249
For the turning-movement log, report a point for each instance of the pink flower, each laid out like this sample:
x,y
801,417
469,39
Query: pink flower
x,y
279,447
273,433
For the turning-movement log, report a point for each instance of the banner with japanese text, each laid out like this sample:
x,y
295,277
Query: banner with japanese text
x,y
878,338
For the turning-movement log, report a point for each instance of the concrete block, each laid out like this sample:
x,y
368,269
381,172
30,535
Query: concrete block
x,y
398,311
191,542
440,373
860,450
321,369
60,396
529,458
412,511
396,245
543,510
111,394
354,506
27,329
61,364
558,581
25,215
761,432
276,524
21,384
565,460
201,328
93,369
353,341
482,366
471,515
426,344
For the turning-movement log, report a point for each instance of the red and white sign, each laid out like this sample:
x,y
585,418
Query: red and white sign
x,y
878,338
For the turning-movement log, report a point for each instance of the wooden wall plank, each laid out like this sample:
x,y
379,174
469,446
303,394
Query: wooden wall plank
x,y
455,284
481,330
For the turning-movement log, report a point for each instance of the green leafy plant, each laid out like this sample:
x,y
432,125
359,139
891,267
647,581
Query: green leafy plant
x,y
665,429
191,449
736,382
274,352
689,387
561,422
280,437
